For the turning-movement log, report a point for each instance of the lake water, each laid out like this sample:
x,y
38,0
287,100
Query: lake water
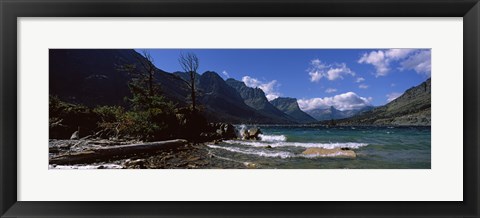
x,y
376,147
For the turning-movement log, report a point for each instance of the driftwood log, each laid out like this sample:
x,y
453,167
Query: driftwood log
x,y
114,152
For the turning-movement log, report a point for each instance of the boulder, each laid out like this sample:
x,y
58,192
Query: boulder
x,y
222,130
250,165
139,163
336,152
252,133
218,131
191,124
75,135
209,136
228,131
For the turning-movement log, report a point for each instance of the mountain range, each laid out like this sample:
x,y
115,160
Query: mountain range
x,y
94,77
256,99
412,108
333,113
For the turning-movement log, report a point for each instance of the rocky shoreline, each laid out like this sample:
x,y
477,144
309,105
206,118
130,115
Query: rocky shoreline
x,y
97,153
187,156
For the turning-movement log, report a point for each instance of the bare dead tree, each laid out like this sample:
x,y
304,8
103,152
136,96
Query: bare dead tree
x,y
145,89
150,69
189,63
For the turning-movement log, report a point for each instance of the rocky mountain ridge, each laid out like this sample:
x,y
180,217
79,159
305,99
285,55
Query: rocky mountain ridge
x,y
93,77
256,99
290,107
412,108
333,113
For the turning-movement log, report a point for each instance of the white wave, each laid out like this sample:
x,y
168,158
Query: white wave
x,y
272,138
249,143
241,130
281,154
352,145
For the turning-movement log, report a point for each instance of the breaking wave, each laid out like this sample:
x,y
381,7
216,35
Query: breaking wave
x,y
281,154
274,154
272,138
352,145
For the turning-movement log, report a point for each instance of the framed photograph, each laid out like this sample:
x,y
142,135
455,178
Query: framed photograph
x,y
265,108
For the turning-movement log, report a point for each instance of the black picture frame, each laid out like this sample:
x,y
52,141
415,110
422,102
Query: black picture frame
x,y
10,10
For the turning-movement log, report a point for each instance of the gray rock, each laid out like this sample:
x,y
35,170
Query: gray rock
x,y
228,131
252,133
75,135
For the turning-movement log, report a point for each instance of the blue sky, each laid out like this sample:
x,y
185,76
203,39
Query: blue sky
x,y
319,78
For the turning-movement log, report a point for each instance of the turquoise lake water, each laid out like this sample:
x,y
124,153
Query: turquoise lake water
x,y
376,147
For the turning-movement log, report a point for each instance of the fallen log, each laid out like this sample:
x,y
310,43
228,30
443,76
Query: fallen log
x,y
116,152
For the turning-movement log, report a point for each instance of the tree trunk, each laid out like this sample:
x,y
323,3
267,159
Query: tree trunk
x,y
192,80
116,152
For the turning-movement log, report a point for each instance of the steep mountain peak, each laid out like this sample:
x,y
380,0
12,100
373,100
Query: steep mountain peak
x,y
286,99
285,103
256,99
92,77
290,107
234,80
212,74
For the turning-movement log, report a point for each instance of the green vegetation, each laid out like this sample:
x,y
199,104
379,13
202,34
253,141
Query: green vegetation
x,y
147,125
152,116
66,118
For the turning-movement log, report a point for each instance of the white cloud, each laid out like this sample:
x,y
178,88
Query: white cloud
x,y
330,90
345,101
225,73
392,85
360,79
378,60
363,86
419,60
392,96
251,82
270,88
397,53
271,97
319,70
315,76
